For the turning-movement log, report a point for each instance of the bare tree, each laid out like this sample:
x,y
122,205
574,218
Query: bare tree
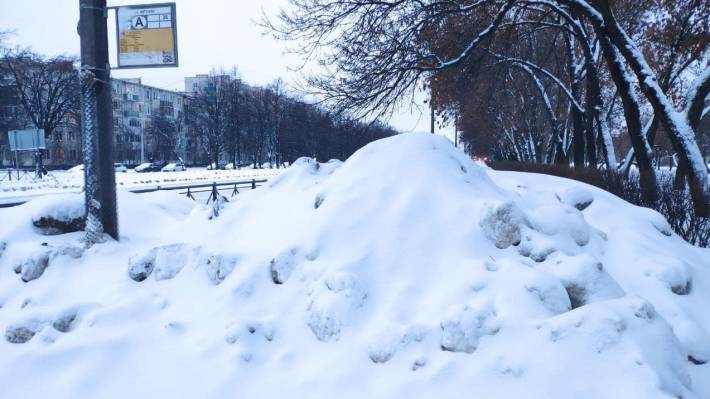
x,y
207,113
376,54
47,89
163,131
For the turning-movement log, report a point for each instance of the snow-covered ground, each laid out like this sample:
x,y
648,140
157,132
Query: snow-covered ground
x,y
406,272
73,181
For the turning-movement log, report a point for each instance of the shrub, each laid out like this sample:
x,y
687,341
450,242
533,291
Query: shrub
x,y
674,204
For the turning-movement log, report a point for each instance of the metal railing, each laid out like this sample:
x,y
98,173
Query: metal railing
x,y
190,190
18,175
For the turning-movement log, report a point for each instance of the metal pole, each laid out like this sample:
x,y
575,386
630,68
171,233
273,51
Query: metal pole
x,y
99,175
431,105
142,147
456,130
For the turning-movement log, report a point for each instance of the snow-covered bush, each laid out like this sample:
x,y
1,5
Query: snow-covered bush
x,y
674,204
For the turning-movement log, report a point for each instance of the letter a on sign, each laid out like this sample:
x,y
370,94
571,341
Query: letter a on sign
x,y
138,23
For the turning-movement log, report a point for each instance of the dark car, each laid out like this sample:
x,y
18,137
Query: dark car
x,y
150,167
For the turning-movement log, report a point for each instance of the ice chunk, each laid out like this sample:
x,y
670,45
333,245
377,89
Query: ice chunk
x,y
64,322
59,214
140,267
282,266
170,260
163,262
18,335
219,266
576,197
34,267
585,279
338,296
694,339
462,332
501,224
391,340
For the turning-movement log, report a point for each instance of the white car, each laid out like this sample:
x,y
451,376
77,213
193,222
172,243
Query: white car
x,y
174,167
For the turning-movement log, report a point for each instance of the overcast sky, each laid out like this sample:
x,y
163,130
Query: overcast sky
x,y
211,34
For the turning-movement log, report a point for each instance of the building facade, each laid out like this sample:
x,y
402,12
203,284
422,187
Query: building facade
x,y
137,109
149,122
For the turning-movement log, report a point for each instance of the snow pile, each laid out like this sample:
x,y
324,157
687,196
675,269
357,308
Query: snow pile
x,y
407,271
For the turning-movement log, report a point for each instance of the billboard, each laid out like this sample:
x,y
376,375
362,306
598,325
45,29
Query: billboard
x,y
146,36
28,139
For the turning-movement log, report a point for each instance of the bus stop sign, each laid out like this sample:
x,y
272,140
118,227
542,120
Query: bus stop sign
x,y
146,36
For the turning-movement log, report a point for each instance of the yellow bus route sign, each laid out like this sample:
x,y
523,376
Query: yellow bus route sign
x,y
146,36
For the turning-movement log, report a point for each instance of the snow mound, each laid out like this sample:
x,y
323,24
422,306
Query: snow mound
x,y
406,271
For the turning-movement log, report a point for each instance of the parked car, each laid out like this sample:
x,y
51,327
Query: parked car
x,y
142,167
149,167
174,167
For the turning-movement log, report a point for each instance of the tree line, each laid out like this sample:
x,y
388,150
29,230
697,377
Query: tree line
x,y
240,124
226,120
588,83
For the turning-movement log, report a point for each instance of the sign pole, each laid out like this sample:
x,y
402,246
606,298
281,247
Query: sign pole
x,y
97,122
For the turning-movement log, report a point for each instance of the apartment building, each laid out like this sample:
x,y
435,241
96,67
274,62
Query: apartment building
x,y
135,107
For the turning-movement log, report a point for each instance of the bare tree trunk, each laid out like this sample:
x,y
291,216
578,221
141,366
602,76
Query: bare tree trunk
x,y
577,117
676,126
632,113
